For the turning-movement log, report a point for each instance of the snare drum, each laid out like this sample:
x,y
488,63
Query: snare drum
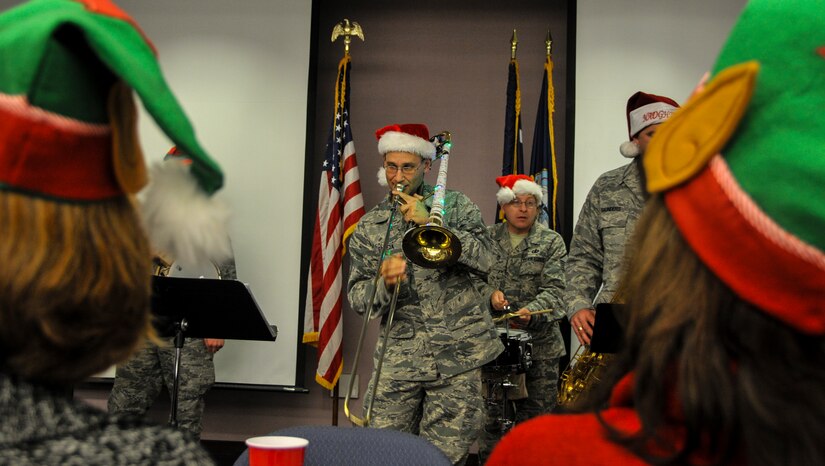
x,y
517,356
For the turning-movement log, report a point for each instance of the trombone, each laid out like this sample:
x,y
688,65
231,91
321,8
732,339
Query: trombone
x,y
433,246
376,282
428,246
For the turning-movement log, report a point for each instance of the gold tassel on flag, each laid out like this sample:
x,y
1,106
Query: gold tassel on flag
x,y
551,107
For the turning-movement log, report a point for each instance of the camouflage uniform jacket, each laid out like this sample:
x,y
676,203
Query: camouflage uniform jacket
x,y
597,249
441,326
531,276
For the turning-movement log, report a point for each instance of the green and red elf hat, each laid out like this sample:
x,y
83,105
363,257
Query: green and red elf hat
x,y
742,164
68,122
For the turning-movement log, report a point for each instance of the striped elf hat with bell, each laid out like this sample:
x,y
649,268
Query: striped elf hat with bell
x,y
742,164
68,122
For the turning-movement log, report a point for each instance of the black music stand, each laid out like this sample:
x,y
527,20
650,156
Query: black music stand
x,y
607,333
205,308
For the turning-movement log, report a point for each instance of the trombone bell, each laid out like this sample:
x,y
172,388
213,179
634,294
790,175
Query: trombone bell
x,y
431,246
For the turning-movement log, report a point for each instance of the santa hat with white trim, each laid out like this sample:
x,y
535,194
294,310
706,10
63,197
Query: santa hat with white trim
x,y
68,122
413,138
644,110
742,165
514,185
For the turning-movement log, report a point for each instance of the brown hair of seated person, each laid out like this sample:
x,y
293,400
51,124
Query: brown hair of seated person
x,y
74,286
749,387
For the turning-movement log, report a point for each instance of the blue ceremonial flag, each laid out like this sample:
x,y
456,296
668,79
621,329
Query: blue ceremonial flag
x,y
513,159
543,159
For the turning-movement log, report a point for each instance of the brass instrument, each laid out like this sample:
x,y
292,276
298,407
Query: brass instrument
x,y
581,374
433,246
161,265
586,367
364,422
428,246
166,267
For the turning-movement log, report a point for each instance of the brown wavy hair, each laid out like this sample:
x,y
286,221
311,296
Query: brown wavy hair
x,y
750,387
74,286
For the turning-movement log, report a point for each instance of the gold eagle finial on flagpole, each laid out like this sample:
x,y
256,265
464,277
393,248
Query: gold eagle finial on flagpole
x,y
548,43
347,29
513,45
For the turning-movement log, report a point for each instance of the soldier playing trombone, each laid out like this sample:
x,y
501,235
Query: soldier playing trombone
x,y
442,332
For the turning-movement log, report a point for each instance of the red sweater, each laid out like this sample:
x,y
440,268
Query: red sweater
x,y
580,439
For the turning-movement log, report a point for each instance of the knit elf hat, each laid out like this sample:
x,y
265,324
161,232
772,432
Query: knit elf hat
x,y
413,138
513,185
644,110
742,165
68,123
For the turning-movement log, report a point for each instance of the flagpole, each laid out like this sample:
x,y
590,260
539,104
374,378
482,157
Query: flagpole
x,y
548,43
513,45
345,29
513,158
543,158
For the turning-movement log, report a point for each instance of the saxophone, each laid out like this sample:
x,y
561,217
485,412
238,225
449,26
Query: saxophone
x,y
161,265
582,373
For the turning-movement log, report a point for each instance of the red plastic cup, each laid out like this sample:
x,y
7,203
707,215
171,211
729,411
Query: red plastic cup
x,y
276,451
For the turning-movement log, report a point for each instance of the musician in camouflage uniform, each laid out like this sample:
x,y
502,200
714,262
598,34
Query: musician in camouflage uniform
x,y
608,218
139,380
527,275
442,332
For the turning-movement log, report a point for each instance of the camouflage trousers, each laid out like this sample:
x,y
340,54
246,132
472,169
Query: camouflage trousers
x,y
542,390
447,411
138,382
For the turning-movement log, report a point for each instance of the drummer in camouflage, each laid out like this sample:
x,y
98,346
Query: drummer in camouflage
x,y
442,333
528,276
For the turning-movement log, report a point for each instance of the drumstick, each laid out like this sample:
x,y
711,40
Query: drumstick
x,y
510,315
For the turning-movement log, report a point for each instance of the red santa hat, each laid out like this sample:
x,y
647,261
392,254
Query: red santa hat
x,y
514,185
644,110
413,138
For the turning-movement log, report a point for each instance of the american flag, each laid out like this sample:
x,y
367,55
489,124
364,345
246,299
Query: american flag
x,y
340,206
